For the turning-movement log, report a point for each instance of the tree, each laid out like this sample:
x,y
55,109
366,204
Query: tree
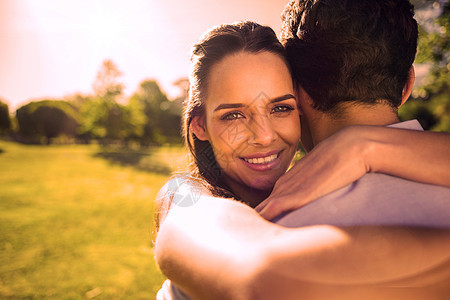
x,y
135,120
102,116
5,120
47,119
183,85
430,101
107,81
162,117
77,100
93,115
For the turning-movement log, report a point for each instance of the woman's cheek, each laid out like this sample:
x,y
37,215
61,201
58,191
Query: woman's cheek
x,y
232,135
289,130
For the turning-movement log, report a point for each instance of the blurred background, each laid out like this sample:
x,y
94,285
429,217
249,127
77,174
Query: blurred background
x,y
90,105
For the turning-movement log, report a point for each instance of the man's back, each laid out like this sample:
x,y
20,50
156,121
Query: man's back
x,y
377,199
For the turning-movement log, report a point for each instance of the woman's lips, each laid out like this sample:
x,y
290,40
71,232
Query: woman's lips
x,y
262,162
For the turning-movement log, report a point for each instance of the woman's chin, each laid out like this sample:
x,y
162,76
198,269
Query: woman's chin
x,y
263,184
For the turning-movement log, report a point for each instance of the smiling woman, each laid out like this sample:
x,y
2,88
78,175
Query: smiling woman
x,y
251,121
241,122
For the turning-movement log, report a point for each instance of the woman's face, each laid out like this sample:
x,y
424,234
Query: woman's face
x,y
251,118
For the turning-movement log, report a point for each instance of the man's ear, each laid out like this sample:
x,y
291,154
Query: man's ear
x,y
407,89
303,97
198,125
297,99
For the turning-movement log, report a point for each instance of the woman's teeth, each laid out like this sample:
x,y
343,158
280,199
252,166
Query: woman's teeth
x,y
261,160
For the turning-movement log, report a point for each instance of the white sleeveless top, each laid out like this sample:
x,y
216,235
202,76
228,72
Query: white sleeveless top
x,y
169,291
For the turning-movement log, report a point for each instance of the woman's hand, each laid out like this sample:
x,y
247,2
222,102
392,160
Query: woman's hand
x,y
332,164
353,151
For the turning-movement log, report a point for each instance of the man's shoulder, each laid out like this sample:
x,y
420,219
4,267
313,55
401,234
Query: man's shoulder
x,y
377,186
377,199
408,124
389,189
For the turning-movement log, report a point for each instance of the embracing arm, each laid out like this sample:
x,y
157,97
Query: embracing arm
x,y
354,151
415,155
223,249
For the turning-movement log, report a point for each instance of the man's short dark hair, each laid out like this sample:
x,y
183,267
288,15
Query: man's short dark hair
x,y
350,50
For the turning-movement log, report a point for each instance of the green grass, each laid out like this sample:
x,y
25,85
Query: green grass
x,y
76,221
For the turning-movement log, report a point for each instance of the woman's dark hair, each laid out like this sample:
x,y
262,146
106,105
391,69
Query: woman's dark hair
x,y
216,44
213,47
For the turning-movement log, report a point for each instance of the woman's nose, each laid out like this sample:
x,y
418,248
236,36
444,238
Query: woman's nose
x,y
262,132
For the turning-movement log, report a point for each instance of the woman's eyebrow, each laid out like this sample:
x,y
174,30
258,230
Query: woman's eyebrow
x,y
282,98
239,105
229,105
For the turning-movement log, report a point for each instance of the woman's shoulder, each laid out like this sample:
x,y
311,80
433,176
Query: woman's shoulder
x,y
181,191
175,186
164,198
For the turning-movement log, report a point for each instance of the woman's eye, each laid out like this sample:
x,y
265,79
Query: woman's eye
x,y
282,108
232,116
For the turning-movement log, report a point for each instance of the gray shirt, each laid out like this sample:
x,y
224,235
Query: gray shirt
x,y
377,199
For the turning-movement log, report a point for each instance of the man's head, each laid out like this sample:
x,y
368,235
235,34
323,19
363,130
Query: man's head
x,y
350,51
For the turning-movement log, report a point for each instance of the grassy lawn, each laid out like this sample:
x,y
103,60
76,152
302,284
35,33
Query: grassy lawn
x,y
76,221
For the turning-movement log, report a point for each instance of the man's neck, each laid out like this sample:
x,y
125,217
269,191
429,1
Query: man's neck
x,y
324,125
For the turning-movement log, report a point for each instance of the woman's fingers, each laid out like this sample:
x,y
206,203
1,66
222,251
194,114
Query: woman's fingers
x,y
262,205
272,208
276,206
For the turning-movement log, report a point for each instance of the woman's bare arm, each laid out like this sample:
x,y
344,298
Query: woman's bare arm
x,y
415,155
222,249
354,151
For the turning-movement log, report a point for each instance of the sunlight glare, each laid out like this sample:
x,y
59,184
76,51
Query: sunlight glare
x,y
106,29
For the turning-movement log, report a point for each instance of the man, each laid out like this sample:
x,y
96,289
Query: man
x,y
228,252
352,62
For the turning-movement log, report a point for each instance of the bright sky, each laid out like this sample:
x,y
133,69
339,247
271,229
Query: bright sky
x,y
54,48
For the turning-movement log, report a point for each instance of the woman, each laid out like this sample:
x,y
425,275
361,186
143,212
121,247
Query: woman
x,y
214,129
241,122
